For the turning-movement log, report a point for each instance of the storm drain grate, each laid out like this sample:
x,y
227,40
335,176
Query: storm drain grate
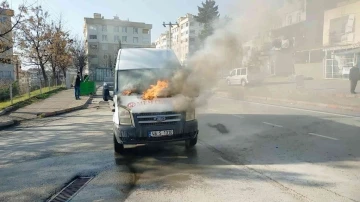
x,y
69,191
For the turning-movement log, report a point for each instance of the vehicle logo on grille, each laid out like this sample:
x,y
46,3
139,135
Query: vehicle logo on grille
x,y
159,118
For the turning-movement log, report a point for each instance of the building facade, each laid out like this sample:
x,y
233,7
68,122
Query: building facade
x,y
341,39
163,42
185,40
299,36
6,43
104,37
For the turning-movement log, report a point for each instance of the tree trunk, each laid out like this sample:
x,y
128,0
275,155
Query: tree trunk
x,y
64,72
42,66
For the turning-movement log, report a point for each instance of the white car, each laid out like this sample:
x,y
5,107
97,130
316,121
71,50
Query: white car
x,y
244,76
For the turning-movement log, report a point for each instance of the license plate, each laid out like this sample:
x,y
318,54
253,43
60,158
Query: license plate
x,y
161,133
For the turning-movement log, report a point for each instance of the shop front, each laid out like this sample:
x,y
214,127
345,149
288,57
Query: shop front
x,y
339,60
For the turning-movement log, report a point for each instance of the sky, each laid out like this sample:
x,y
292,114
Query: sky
x,y
153,12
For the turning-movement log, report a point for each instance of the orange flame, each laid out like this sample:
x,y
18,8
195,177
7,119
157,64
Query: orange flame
x,y
155,90
126,92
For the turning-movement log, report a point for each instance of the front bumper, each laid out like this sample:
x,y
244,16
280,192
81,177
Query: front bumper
x,y
139,135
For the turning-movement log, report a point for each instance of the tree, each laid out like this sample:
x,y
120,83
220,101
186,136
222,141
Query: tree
x,y
79,55
208,13
9,27
34,39
60,56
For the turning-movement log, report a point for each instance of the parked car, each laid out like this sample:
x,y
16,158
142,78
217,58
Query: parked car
x,y
244,76
108,86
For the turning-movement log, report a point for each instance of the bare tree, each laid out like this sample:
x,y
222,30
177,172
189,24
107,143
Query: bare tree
x,y
79,55
34,38
60,56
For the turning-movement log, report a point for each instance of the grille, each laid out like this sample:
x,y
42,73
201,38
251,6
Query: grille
x,y
167,118
69,191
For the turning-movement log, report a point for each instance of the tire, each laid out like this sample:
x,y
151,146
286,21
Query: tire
x,y
243,83
118,148
191,143
106,95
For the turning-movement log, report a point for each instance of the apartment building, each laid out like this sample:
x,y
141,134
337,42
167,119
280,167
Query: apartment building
x,y
341,39
298,38
185,40
163,42
105,36
6,66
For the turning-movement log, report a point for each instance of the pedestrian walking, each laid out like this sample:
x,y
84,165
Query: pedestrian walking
x,y
77,86
354,77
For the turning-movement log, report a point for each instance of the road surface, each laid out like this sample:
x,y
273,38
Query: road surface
x,y
246,152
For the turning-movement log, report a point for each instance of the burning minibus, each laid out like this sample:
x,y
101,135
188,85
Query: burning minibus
x,y
152,101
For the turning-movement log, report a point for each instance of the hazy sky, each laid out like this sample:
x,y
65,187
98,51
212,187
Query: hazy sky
x,y
149,11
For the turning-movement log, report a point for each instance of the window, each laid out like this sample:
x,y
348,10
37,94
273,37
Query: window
x,y
124,39
92,27
116,38
298,17
191,23
135,30
105,56
104,37
104,47
104,28
135,40
124,29
243,71
93,46
116,29
92,37
289,20
145,31
187,24
145,41
192,39
192,31
187,32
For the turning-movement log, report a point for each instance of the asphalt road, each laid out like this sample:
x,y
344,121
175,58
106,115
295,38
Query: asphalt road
x,y
246,152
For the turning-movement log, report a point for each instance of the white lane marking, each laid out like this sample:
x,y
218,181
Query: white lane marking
x,y
331,138
271,124
214,110
294,108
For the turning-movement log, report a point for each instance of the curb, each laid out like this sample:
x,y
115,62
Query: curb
x,y
6,110
7,124
294,102
63,111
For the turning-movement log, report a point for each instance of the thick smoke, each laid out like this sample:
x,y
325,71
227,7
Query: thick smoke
x,y
221,52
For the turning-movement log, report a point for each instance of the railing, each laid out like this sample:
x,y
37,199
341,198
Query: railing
x,y
13,92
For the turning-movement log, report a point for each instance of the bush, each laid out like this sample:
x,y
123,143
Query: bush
x,y
5,90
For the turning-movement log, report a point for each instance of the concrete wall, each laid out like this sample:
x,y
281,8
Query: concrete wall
x,y
314,70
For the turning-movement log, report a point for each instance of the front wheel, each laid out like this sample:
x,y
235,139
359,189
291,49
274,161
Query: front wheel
x,y
190,143
118,148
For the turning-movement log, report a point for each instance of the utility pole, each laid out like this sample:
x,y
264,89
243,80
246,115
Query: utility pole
x,y
170,26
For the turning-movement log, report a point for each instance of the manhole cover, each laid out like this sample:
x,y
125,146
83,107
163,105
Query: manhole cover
x,y
70,190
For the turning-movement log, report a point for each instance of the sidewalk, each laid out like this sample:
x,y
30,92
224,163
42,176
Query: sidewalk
x,y
325,93
61,102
